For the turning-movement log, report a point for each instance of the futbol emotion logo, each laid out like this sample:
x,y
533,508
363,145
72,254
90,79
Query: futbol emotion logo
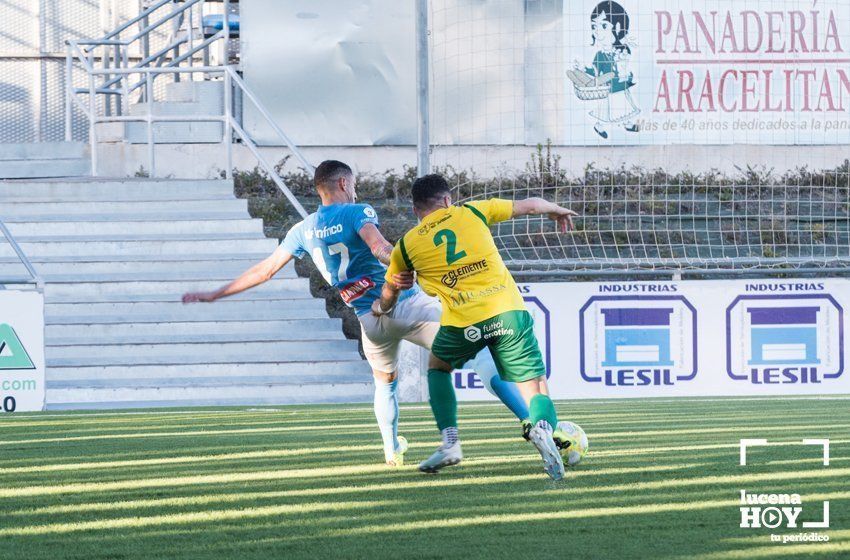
x,y
784,339
638,340
472,334
468,379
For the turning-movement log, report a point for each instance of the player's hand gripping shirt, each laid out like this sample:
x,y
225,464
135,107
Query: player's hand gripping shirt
x,y
331,237
456,259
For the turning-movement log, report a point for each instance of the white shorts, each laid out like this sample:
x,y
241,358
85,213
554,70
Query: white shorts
x,y
416,319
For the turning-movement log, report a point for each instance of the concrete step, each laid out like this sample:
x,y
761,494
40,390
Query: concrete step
x,y
67,208
31,168
109,132
171,213
167,260
126,271
220,275
177,132
266,295
231,395
247,225
201,353
42,150
191,338
114,190
294,288
149,236
209,92
162,332
230,309
204,382
115,248
203,106
305,372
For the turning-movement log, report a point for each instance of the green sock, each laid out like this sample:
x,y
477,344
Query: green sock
x,y
443,400
542,408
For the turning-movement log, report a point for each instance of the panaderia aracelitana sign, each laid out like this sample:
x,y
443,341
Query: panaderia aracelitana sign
x,y
707,72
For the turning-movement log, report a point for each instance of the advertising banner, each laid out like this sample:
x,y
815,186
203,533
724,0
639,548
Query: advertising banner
x,y
688,338
699,72
21,351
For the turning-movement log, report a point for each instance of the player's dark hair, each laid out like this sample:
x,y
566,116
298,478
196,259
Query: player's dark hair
x,y
615,14
329,172
428,190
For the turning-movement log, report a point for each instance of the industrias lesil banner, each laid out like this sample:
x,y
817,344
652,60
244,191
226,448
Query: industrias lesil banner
x,y
707,72
689,338
21,351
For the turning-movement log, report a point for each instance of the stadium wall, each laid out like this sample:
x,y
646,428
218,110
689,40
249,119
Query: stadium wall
x,y
205,160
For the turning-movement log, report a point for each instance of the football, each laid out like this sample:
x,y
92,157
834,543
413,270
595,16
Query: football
x,y
574,448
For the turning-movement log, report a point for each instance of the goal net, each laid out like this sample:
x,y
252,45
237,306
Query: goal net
x,y
689,134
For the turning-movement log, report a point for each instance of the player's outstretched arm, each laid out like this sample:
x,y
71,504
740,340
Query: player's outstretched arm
x,y
261,272
539,206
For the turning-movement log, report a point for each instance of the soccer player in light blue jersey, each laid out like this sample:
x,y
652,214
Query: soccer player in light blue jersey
x,y
347,247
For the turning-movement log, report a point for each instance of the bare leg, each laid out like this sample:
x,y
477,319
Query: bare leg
x,y
537,386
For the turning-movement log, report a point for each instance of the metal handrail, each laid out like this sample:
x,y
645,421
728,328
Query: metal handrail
x,y
185,6
120,73
286,140
144,33
231,79
33,274
145,13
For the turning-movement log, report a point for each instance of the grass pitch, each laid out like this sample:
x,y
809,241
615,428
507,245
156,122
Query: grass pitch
x,y
662,480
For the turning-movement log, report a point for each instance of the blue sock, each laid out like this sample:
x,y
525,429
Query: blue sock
x,y
509,394
386,412
506,391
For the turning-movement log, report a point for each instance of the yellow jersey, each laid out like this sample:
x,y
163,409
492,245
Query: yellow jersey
x,y
456,259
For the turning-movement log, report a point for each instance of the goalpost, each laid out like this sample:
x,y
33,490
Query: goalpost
x,y
688,136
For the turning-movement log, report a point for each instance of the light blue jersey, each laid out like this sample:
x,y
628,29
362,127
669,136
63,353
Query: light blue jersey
x,y
331,237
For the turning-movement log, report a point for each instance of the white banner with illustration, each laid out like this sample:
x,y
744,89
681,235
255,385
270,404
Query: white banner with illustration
x,y
688,338
707,72
21,351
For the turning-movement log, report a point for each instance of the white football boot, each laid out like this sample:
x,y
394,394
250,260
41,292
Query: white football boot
x,y
553,464
397,458
444,456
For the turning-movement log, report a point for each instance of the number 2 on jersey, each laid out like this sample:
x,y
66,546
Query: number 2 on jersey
x,y
448,237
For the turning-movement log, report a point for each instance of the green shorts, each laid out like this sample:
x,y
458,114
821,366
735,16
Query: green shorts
x,y
510,337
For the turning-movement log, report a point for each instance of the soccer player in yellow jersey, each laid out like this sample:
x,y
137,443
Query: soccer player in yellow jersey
x,y
454,255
